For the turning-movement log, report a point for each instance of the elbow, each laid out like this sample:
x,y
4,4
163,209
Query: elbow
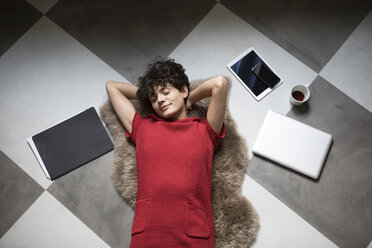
x,y
220,86
108,84
221,82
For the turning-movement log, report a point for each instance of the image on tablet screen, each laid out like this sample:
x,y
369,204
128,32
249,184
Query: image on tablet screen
x,y
243,69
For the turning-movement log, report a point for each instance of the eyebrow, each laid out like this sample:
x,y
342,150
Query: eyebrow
x,y
163,87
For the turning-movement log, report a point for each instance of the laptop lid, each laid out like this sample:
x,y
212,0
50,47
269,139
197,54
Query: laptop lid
x,y
293,144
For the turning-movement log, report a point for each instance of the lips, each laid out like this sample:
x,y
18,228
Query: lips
x,y
164,107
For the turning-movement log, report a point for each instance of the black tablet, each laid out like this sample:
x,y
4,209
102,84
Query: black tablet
x,y
242,68
71,143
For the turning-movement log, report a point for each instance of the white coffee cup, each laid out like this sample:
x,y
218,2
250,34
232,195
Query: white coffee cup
x,y
299,94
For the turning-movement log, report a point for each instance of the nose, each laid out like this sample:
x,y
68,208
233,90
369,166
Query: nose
x,y
161,98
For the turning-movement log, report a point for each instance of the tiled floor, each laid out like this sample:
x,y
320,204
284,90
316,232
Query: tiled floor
x,y
57,56
339,202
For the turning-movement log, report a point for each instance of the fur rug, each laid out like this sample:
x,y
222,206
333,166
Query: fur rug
x,y
236,221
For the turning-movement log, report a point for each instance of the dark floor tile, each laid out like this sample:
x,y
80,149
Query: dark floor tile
x,y
127,35
16,17
17,192
88,193
339,203
310,30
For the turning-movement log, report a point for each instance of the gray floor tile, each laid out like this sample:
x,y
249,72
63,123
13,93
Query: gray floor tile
x,y
88,193
339,203
17,192
128,35
310,30
350,69
16,17
42,5
47,223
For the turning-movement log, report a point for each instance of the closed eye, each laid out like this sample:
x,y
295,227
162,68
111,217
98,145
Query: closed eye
x,y
154,98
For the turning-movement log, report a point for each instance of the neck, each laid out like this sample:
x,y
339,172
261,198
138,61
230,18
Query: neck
x,y
180,116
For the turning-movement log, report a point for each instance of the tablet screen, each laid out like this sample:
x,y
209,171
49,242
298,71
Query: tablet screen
x,y
243,68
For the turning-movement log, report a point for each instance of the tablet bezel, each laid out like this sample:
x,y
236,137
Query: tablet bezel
x,y
265,92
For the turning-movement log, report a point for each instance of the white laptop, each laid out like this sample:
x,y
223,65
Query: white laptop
x,y
293,144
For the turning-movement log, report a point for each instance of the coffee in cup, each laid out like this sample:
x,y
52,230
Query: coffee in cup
x,y
299,94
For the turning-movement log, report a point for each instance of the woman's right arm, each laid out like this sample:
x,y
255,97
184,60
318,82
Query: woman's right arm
x,y
119,94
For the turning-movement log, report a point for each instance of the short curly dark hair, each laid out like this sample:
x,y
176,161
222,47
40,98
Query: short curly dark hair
x,y
159,73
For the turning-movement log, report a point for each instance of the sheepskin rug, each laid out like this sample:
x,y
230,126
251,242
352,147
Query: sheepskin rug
x,y
236,222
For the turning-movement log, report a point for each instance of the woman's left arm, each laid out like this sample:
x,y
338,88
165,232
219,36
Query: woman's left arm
x,y
216,88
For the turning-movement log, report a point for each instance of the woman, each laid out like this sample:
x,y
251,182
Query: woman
x,y
174,155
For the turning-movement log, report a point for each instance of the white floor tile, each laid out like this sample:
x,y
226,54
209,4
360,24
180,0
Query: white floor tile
x,y
46,77
47,223
214,42
350,68
219,38
370,245
280,226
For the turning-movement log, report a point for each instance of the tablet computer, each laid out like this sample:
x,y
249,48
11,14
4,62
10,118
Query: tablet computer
x,y
243,68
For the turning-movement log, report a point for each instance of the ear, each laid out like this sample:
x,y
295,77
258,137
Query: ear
x,y
185,91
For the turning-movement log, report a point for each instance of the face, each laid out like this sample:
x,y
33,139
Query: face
x,y
168,102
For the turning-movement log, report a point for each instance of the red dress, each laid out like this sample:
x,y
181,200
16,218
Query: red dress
x,y
174,168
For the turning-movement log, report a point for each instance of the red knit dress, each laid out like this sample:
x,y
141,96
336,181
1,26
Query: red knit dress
x,y
174,172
